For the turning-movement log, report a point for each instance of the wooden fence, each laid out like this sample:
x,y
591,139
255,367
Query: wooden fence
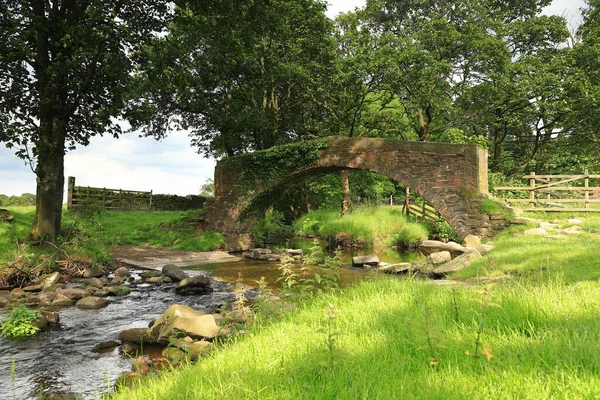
x,y
108,199
553,192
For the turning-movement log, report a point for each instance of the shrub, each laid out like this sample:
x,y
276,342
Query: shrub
x,y
19,322
410,236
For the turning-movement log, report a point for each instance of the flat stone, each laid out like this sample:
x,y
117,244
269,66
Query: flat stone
x,y
535,232
522,221
93,282
547,225
134,335
60,300
485,248
186,320
92,303
362,261
17,293
3,302
395,268
574,221
439,257
33,288
150,274
572,230
433,246
73,293
294,252
458,263
107,344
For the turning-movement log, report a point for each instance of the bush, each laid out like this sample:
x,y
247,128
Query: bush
x,y
19,322
441,230
271,226
410,236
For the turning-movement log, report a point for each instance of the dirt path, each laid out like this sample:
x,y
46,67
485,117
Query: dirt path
x,y
157,257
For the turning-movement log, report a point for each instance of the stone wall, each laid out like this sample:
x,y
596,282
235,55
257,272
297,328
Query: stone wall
x,y
451,177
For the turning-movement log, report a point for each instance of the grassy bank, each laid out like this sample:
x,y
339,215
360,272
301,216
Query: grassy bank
x,y
374,225
91,234
560,256
410,339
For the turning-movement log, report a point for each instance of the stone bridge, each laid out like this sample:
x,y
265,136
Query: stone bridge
x,y
451,177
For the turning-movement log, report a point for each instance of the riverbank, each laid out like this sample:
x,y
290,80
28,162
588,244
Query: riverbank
x,y
499,334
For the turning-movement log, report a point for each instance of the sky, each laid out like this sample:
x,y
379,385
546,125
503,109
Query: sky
x,y
169,166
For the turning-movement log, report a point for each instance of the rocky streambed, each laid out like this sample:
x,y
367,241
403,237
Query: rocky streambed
x,y
59,362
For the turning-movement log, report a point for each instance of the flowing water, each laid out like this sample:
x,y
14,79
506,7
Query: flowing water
x,y
61,360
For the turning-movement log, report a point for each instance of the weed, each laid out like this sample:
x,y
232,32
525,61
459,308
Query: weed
x,y
432,340
331,334
266,304
455,308
289,278
20,322
479,347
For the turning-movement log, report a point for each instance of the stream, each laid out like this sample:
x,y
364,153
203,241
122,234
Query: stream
x,y
60,361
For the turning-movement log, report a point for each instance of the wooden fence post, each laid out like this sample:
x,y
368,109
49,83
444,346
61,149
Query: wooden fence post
x,y
70,188
586,184
532,190
407,200
150,200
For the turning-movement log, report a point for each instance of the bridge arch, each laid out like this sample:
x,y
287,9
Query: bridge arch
x,y
451,177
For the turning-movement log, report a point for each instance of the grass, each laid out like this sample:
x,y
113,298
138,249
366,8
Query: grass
x,y
570,258
92,234
542,341
369,224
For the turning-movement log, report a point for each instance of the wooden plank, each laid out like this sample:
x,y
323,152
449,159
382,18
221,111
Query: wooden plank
x,y
563,209
560,176
558,183
553,200
566,188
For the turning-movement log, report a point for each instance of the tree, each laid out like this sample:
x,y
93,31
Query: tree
x,y
241,76
64,70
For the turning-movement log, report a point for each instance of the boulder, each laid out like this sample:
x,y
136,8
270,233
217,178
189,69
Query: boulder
x,y
362,261
182,319
134,335
46,319
6,216
121,290
433,246
122,272
395,268
50,281
458,263
199,284
472,241
107,344
73,293
93,272
92,303
150,274
174,272
60,300
439,258
156,279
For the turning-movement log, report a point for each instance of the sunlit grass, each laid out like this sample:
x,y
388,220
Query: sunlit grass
x,y
542,341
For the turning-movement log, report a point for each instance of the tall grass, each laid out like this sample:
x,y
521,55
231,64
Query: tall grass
x,y
539,342
370,224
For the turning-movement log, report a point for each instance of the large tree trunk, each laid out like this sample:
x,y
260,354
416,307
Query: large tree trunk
x,y
346,200
50,180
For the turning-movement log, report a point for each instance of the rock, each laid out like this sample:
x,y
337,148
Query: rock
x,y
573,230
433,246
141,366
135,335
439,258
294,252
274,257
122,272
60,300
32,288
47,318
50,281
174,272
17,293
3,301
92,303
107,344
150,274
178,318
396,268
93,272
93,282
535,232
73,293
458,263
547,225
117,290
522,221
472,241
130,349
199,284
362,261
117,280
574,221
156,279
6,216
128,379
